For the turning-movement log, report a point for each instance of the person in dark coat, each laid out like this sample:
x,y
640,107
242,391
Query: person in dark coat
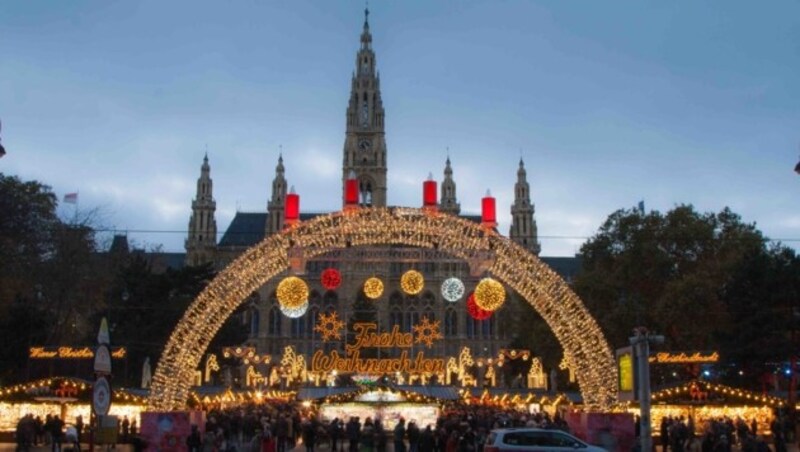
x,y
193,441
412,431
282,433
335,432
426,440
368,436
380,436
353,432
309,435
399,436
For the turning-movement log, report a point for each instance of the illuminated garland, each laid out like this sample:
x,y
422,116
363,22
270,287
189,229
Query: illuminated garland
x,y
296,312
292,293
412,282
247,354
373,288
72,387
452,289
490,294
331,278
722,389
573,326
475,311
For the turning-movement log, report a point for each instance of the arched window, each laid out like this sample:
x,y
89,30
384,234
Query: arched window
x,y
311,322
274,326
450,322
396,319
366,192
486,327
471,327
298,327
412,318
255,319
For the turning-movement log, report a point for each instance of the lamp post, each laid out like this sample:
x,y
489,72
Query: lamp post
x,y
640,341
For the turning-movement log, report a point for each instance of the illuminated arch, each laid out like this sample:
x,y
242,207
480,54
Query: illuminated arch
x,y
547,293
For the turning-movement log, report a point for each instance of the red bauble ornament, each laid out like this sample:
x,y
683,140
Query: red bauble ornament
x,y
475,311
331,278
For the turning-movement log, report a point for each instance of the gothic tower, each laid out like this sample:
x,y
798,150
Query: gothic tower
x,y
523,225
277,203
365,144
447,200
201,244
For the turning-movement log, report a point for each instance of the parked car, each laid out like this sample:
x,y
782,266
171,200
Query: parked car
x,y
535,439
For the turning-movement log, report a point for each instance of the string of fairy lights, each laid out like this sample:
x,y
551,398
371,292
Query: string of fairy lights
x,y
509,263
698,387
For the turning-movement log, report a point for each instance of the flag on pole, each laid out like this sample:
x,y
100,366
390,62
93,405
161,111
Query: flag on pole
x,y
71,198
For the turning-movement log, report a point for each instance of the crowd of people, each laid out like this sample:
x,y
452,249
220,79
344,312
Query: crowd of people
x,y
278,427
54,432
720,435
281,427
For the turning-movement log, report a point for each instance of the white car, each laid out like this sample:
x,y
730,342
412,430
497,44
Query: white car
x,y
535,439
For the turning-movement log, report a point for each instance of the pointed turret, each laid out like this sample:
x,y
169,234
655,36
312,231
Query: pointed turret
x,y
201,244
523,225
448,202
364,144
277,201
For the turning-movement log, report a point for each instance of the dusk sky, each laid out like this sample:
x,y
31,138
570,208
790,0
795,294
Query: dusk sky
x,y
608,103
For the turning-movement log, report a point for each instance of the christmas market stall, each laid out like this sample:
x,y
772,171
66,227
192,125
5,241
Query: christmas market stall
x,y
422,404
703,401
65,397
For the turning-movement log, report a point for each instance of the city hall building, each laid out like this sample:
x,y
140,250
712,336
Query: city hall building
x,y
364,158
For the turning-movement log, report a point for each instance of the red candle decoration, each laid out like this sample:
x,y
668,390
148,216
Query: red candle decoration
x,y
292,208
429,192
488,210
331,278
475,311
351,190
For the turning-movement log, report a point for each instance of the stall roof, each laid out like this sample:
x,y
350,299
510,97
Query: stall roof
x,y
314,393
437,392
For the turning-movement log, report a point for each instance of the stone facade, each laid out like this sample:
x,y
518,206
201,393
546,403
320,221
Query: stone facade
x,y
364,156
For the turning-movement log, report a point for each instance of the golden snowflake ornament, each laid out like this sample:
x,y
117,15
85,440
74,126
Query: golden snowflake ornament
x,y
329,326
427,332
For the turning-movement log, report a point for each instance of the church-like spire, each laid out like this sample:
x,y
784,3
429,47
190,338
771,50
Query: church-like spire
x,y
202,240
448,201
365,145
277,201
523,225
366,37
